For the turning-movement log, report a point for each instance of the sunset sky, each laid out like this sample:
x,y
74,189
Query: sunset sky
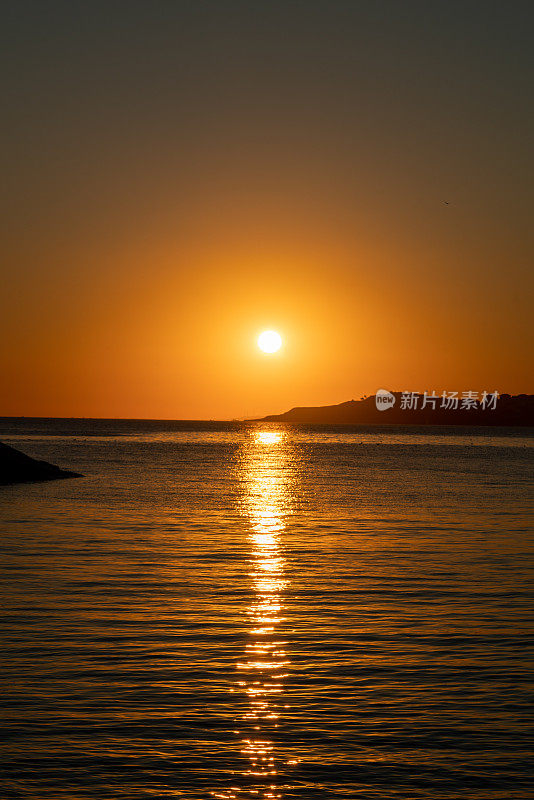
x,y
180,176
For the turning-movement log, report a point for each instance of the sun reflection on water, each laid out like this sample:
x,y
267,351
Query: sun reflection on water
x,y
267,472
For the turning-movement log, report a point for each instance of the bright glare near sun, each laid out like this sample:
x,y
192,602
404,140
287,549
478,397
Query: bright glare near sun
x,y
269,341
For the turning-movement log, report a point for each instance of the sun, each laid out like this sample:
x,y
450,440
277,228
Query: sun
x,y
269,341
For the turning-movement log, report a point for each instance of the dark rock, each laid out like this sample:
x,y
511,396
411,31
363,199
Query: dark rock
x,y
16,467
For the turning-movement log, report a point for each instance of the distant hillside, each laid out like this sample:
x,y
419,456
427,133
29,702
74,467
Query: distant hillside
x,y
508,410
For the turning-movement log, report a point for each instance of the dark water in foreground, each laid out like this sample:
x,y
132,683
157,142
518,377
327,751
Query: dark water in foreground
x,y
258,612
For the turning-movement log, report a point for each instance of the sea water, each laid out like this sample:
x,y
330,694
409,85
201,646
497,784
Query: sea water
x,y
260,611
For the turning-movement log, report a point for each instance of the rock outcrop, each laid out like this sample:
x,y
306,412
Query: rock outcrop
x,y
17,467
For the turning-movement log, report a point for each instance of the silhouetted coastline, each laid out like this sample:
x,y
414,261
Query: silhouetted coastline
x,y
17,467
510,410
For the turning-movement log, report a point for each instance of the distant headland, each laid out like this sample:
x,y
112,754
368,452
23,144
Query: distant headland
x,y
403,408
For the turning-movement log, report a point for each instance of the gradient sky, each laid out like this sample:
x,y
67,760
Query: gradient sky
x,y
179,176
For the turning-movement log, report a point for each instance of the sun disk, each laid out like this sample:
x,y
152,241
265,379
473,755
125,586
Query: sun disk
x,y
269,341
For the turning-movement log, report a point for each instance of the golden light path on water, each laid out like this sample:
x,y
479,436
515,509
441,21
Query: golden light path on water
x,y
267,475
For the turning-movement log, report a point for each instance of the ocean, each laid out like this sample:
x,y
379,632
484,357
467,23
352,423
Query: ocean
x,y
243,610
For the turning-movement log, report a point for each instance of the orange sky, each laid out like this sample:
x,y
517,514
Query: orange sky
x,y
169,198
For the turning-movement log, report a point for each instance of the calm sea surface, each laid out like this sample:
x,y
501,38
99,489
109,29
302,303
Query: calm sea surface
x,y
255,611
